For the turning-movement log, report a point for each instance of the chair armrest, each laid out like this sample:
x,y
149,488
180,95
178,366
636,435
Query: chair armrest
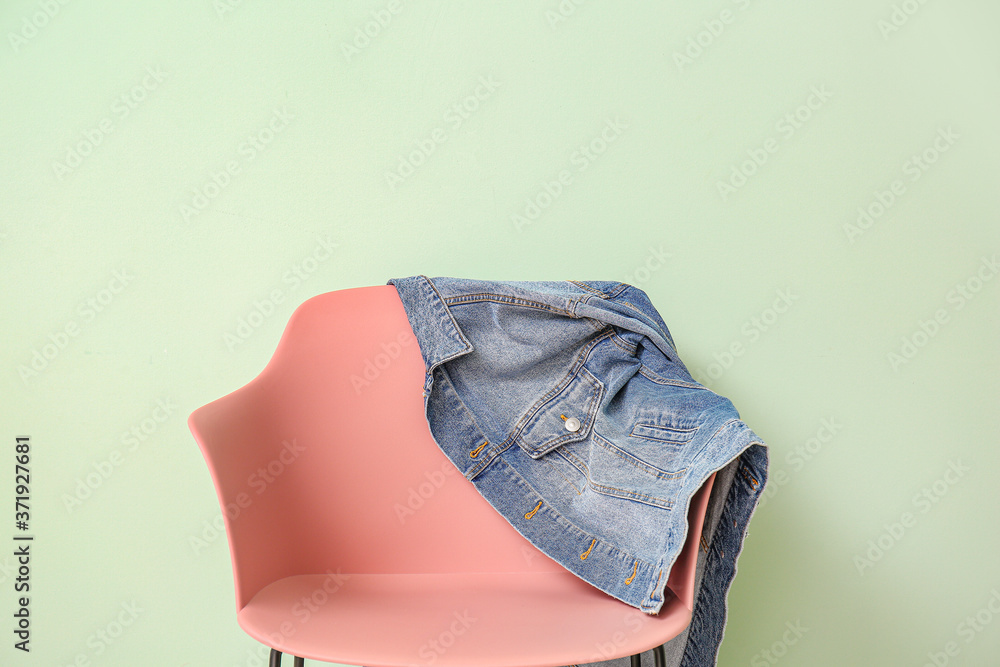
x,y
239,436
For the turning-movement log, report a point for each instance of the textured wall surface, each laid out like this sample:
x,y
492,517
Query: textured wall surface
x,y
806,191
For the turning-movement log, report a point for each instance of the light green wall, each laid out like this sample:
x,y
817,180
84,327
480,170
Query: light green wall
x,y
164,99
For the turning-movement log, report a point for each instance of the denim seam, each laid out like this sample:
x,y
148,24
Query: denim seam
x,y
625,494
634,307
618,289
454,328
635,461
622,343
604,489
479,297
579,364
552,465
586,287
680,431
652,376
488,454
573,460
568,437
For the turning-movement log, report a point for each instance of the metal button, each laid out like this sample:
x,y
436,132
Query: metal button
x,y
572,424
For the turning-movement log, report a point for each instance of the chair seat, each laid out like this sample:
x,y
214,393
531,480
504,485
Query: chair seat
x,y
493,619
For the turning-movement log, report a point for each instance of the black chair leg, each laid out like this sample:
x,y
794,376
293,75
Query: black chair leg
x,y
659,658
275,660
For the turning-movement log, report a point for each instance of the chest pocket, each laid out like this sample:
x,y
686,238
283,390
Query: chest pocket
x,y
673,435
666,444
563,415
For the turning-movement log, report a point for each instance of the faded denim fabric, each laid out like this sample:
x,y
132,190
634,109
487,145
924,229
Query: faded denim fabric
x,y
567,406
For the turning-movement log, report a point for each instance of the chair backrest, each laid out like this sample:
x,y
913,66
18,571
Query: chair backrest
x,y
325,460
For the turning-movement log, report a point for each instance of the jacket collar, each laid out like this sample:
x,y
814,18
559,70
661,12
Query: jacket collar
x,y
438,334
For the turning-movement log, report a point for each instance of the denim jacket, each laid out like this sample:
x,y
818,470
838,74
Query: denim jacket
x,y
567,406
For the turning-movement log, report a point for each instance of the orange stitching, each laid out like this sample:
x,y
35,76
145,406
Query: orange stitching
x,y
586,553
549,462
475,452
532,512
634,570
748,477
704,542
634,461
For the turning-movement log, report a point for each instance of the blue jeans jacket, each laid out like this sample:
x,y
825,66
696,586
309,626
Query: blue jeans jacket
x,y
567,406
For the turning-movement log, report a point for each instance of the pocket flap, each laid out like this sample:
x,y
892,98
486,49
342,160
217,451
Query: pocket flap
x,y
672,434
577,397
